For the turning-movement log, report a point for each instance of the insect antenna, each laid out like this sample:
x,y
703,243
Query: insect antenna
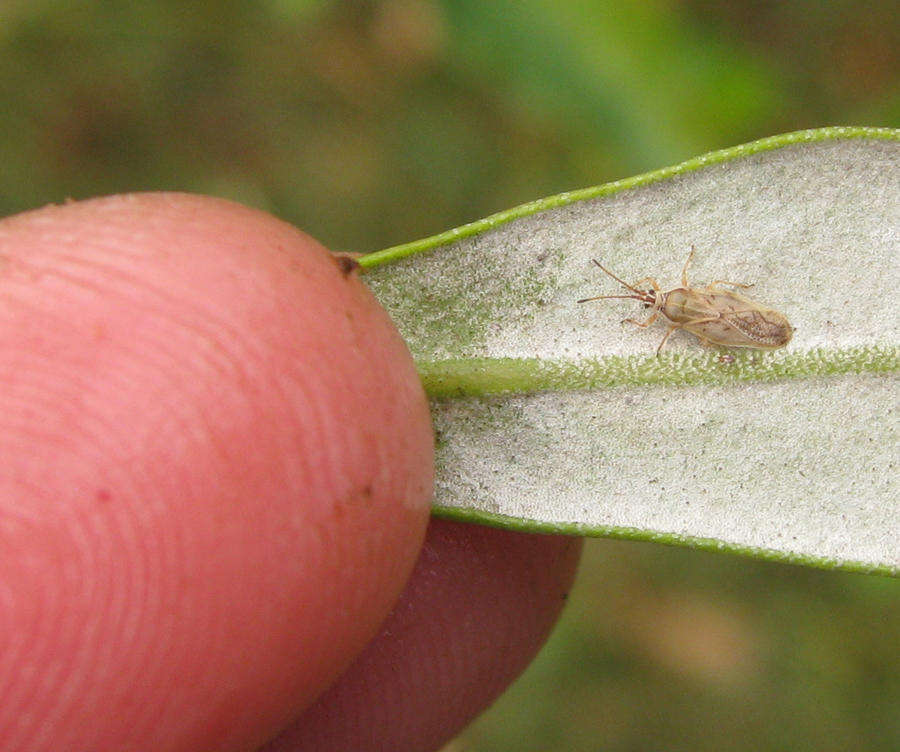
x,y
618,279
638,294
607,297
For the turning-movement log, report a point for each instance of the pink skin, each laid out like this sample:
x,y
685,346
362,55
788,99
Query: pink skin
x,y
478,607
215,481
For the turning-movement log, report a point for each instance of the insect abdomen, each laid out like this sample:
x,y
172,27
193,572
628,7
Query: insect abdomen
x,y
727,318
763,326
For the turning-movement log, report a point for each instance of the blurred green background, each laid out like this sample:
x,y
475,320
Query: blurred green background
x,y
374,123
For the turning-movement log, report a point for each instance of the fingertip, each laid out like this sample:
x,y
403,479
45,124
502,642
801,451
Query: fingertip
x,y
479,605
219,466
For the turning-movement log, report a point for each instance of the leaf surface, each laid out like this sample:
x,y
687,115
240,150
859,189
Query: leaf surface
x,y
556,417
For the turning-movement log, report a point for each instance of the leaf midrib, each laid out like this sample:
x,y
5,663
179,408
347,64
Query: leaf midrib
x,y
479,377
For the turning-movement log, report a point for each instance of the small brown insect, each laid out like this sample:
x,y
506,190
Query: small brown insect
x,y
714,315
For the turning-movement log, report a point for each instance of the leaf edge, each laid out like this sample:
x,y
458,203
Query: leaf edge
x,y
769,143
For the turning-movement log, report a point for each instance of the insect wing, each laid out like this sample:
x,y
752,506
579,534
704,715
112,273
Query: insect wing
x,y
738,322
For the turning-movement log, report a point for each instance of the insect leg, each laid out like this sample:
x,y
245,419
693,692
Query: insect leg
x,y
653,283
642,324
684,282
667,335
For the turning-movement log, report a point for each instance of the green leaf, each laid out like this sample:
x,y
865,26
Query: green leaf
x,y
552,416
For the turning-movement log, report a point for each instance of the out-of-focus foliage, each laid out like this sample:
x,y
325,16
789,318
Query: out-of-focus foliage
x,y
664,649
374,123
